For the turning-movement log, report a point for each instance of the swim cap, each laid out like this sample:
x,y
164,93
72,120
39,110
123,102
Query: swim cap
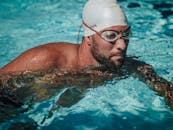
x,y
100,14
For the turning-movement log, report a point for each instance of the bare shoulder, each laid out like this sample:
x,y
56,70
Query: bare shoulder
x,y
37,58
61,45
57,49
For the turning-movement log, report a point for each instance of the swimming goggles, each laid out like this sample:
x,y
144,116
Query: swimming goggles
x,y
111,35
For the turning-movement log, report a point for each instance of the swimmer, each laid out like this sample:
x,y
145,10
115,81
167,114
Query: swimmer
x,y
104,45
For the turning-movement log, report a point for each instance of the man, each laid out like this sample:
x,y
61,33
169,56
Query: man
x,y
105,41
99,47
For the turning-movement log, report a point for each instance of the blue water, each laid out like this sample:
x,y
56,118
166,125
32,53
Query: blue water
x,y
124,104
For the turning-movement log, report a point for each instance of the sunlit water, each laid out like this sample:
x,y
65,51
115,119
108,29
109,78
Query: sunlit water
x,y
124,104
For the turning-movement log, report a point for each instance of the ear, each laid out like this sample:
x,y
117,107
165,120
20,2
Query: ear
x,y
89,40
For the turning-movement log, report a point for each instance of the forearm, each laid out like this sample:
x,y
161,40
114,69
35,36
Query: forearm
x,y
157,83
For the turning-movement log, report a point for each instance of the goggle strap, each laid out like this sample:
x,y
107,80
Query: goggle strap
x,y
89,27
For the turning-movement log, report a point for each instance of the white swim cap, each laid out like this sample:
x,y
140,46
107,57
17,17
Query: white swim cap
x,y
100,14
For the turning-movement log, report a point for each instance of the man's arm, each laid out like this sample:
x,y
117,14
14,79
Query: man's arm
x,y
146,73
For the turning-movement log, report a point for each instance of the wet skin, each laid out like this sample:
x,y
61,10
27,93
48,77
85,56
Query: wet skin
x,y
89,61
45,84
65,57
40,86
69,56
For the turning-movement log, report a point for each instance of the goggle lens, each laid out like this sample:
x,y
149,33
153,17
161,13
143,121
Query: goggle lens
x,y
112,36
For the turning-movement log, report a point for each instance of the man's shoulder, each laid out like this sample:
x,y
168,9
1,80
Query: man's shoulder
x,y
59,45
52,48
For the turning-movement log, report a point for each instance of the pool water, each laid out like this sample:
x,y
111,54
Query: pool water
x,y
124,104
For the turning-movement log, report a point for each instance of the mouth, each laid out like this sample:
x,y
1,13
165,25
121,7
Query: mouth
x,y
117,56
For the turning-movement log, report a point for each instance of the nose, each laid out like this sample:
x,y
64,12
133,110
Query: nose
x,y
120,45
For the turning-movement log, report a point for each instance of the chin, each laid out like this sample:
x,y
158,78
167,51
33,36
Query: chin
x,y
115,64
118,65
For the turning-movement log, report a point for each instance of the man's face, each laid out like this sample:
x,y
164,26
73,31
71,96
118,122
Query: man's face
x,y
111,55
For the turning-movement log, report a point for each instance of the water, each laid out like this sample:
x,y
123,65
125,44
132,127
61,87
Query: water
x,y
124,104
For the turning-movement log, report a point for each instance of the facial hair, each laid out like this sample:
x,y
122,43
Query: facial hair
x,y
104,61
